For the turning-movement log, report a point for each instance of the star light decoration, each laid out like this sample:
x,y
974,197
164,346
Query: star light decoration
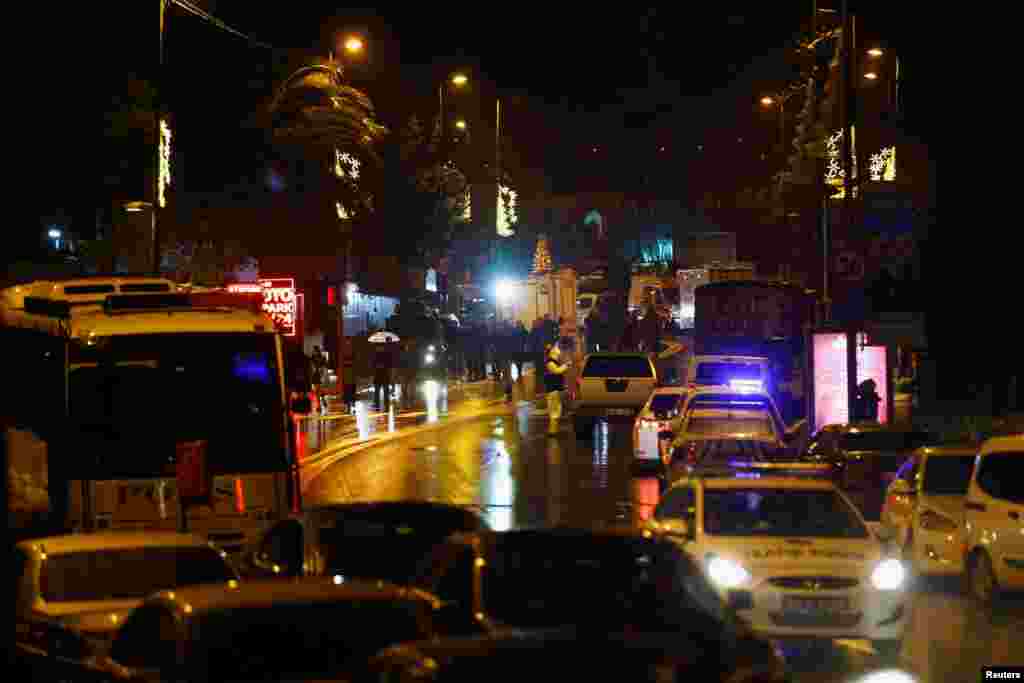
x,y
883,165
342,212
164,178
346,165
506,211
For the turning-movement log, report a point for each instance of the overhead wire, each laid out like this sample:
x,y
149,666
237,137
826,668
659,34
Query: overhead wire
x,y
206,16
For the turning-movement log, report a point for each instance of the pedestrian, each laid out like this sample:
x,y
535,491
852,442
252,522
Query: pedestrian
x,y
651,329
538,352
319,370
628,341
408,364
521,341
866,401
554,385
382,376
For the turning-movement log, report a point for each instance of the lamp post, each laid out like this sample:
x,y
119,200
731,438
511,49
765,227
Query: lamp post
x,y
458,80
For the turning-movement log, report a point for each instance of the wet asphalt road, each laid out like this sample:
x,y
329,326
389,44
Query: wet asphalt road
x,y
497,459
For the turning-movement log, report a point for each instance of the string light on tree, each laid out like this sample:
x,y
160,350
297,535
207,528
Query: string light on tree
x,y
346,165
542,256
164,178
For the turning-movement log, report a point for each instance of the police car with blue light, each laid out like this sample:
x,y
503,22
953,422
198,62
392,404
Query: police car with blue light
x,y
790,553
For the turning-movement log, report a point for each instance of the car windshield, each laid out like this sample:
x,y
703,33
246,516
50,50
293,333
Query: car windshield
x,y
725,423
386,546
128,573
163,389
534,582
618,366
882,440
948,475
317,639
725,452
1001,475
780,512
665,405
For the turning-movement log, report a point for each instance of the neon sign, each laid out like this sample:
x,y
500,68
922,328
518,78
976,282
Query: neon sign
x,y
279,300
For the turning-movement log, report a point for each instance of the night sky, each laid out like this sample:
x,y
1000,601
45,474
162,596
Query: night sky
x,y
630,83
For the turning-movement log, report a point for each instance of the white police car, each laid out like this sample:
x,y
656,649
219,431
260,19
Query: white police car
x,y
790,555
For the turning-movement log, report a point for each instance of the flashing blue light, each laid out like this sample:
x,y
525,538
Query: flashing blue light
x,y
746,385
252,367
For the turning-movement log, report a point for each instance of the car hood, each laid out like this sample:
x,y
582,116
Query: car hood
x,y
949,506
764,557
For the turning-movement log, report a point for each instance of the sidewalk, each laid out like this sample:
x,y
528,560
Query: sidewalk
x,y
323,440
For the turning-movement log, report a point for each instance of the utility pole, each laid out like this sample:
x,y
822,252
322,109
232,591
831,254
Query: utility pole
x,y
845,68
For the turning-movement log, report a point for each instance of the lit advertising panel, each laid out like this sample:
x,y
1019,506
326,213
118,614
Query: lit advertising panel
x,y
279,300
831,401
871,364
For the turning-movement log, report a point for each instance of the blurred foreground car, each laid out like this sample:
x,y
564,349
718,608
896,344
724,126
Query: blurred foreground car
x,y
269,630
924,508
593,581
380,540
994,529
791,555
74,591
555,656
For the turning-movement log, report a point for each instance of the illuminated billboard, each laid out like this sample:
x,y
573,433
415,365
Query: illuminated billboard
x,y
871,364
831,399
279,300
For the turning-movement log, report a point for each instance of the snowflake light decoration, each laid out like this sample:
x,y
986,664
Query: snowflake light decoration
x,y
346,165
342,212
506,211
883,165
834,173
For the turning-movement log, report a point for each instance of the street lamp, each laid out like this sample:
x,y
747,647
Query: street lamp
x,y
767,101
461,124
871,75
875,52
353,45
459,79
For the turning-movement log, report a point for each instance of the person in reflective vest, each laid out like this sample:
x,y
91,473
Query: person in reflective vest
x,y
554,384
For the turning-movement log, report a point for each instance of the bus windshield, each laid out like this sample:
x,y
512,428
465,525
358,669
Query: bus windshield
x,y
148,392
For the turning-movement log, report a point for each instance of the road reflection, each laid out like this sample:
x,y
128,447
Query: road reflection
x,y
497,487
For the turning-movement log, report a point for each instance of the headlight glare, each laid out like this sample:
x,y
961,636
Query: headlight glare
x,y
889,575
726,573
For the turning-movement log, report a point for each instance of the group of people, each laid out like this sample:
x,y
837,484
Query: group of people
x,y
639,334
500,345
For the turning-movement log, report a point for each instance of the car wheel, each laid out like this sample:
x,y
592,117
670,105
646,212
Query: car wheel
x,y
584,429
982,585
889,649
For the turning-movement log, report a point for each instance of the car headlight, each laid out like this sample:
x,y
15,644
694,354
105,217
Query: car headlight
x,y
726,573
889,575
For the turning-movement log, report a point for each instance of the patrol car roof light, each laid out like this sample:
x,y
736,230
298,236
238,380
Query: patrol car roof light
x,y
746,385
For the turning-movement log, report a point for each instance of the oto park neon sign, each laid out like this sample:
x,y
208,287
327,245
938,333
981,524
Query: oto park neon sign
x,y
279,300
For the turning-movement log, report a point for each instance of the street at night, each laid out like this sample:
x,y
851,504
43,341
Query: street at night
x,y
504,465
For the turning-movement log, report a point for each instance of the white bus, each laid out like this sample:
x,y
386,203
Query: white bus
x,y
120,390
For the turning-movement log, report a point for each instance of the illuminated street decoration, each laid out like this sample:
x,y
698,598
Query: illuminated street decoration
x,y
342,213
834,173
506,211
164,178
279,300
467,205
346,165
883,165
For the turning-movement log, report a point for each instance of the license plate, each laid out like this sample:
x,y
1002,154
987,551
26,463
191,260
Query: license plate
x,y
796,604
619,411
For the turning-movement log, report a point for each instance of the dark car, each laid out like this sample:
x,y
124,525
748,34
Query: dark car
x,y
381,540
595,581
866,456
563,655
266,630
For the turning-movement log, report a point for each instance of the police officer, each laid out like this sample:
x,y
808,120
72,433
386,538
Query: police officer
x,y
554,385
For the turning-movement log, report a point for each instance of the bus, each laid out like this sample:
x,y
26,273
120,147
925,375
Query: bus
x,y
122,392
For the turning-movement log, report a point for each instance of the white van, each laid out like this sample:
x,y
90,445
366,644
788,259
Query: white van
x,y
994,520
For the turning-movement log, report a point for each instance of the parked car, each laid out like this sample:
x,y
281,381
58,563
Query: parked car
x,y
650,429
596,581
563,655
273,629
73,591
924,507
384,540
611,385
994,520
866,456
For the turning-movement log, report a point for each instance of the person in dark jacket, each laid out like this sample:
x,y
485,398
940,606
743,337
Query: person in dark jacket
x,y
866,401
382,370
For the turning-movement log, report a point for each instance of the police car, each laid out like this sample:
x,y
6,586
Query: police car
x,y
791,555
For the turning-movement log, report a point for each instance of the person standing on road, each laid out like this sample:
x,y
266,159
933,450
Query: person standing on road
x,y
382,376
554,385
319,363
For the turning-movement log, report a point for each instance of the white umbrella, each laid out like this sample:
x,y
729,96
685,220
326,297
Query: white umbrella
x,y
383,337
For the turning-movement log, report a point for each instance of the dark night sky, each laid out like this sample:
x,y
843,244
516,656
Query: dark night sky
x,y
626,81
